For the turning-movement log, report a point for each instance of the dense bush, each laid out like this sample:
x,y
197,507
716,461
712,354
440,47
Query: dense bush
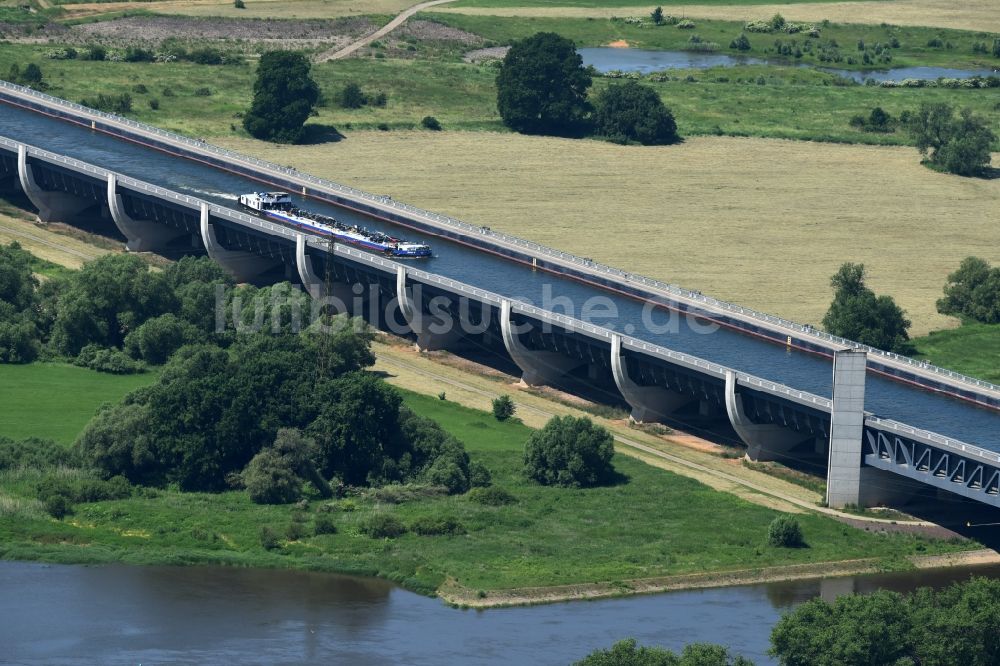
x,y
119,104
352,97
629,653
956,144
34,454
111,361
437,525
542,87
856,313
431,123
492,496
972,292
157,338
323,524
31,76
741,43
503,407
284,96
479,475
270,479
570,451
879,120
633,112
59,492
138,54
785,532
18,338
382,526
269,539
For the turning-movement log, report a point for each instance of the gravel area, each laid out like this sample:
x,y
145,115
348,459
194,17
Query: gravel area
x,y
486,54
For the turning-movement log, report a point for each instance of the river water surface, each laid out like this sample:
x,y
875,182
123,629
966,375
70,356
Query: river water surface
x,y
206,615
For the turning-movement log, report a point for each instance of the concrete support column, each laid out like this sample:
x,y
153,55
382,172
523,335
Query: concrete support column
x,y
338,295
432,332
765,441
52,206
140,235
243,266
843,481
648,403
537,367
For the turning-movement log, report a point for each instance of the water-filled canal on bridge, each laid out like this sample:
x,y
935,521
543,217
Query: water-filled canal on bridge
x,y
199,615
803,371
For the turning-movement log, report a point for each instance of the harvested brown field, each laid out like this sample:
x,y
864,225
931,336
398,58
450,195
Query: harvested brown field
x,y
275,9
979,15
761,222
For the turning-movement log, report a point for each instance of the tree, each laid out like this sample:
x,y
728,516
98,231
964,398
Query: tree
x,y
570,452
633,112
431,123
972,292
856,313
17,283
657,16
503,407
959,145
284,95
156,339
785,532
628,653
996,48
270,479
542,87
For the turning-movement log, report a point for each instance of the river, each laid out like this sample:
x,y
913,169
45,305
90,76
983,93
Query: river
x,y
206,615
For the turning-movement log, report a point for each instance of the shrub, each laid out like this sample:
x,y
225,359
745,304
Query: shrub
x,y
58,506
352,97
741,43
137,54
503,407
154,104
380,99
18,340
34,453
295,531
270,479
571,452
777,22
785,532
492,496
269,538
686,24
935,43
239,4
431,123
437,525
111,361
140,89
635,112
206,56
479,475
382,526
168,92
996,48
203,92
382,127
157,338
95,52
324,525
120,104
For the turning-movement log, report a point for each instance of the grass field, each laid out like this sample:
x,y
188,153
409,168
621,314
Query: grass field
x,y
761,222
977,15
657,523
55,400
973,349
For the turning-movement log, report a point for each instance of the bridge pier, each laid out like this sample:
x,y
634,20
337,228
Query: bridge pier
x,y
338,295
537,367
432,333
243,266
140,235
764,441
648,403
52,206
847,420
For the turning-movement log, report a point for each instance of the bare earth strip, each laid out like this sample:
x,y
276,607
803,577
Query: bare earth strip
x,y
760,222
273,9
980,15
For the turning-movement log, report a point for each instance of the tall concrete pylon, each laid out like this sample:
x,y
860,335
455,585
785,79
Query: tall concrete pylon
x,y
432,333
764,441
337,294
140,235
52,206
243,266
537,367
847,422
648,403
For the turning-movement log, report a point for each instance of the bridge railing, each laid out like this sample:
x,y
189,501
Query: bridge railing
x,y
536,248
938,439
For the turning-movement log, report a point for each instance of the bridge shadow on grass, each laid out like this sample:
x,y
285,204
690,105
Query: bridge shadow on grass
x,y
318,133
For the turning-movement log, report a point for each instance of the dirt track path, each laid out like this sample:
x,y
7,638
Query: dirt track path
x,y
381,32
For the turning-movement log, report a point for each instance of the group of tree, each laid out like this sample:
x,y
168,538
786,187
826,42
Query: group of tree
x,y
957,143
31,76
954,626
542,88
111,314
272,412
972,292
353,97
856,313
878,120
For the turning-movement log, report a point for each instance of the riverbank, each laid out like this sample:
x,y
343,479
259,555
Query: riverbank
x,y
459,596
